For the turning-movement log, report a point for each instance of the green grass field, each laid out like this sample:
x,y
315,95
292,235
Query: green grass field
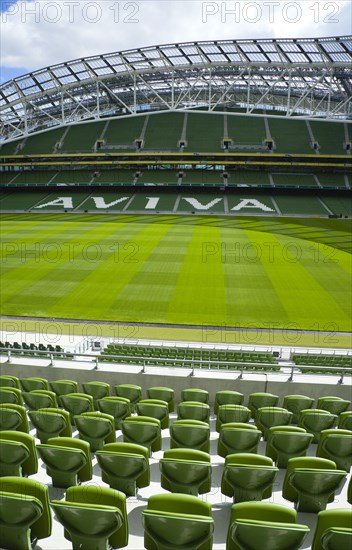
x,y
241,272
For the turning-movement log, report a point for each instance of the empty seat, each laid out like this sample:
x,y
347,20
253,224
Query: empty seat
x,y
33,383
296,404
266,417
97,390
67,460
51,422
190,434
315,421
97,428
231,413
125,466
345,421
76,404
24,512
93,517
193,410
227,397
261,399
174,521
248,476
163,393
192,394
13,417
9,381
156,409
40,399
335,405
63,387
11,395
17,461
118,407
311,482
285,442
237,437
336,445
333,530
264,526
142,430
185,471
131,392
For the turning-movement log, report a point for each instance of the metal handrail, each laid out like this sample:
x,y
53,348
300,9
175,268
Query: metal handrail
x,y
62,355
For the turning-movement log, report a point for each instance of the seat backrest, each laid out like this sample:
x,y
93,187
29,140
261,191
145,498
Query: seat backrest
x,y
338,517
24,486
248,459
7,380
29,466
24,426
86,473
306,462
187,454
92,494
63,387
179,504
11,395
34,383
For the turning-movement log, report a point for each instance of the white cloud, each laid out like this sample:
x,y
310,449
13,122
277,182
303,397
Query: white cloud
x,y
38,33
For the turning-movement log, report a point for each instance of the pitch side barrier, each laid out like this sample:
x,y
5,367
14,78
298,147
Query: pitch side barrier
x,y
135,160
191,365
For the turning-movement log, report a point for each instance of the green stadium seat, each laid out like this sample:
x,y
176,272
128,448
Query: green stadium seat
x,y
97,428
285,442
248,476
93,516
131,392
266,417
13,417
173,521
163,393
63,387
227,397
193,410
8,381
345,421
333,530
156,409
67,460
336,445
40,399
125,466
118,407
315,421
11,395
230,414
261,399
335,405
76,404
97,390
190,434
51,422
29,466
191,394
296,403
186,471
142,430
311,482
238,437
264,526
24,512
33,383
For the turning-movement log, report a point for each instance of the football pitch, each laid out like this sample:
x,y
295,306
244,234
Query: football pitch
x,y
179,270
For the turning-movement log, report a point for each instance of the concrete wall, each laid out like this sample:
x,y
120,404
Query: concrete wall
x,y
313,386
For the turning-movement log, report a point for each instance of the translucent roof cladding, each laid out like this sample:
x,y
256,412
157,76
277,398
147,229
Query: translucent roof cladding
x,y
263,58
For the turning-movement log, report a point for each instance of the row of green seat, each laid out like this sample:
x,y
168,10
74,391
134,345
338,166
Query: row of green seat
x,y
94,517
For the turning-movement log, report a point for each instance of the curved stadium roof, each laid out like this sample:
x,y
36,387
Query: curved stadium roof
x,y
309,77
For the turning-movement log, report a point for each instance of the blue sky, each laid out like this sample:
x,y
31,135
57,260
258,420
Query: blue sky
x,y
37,33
